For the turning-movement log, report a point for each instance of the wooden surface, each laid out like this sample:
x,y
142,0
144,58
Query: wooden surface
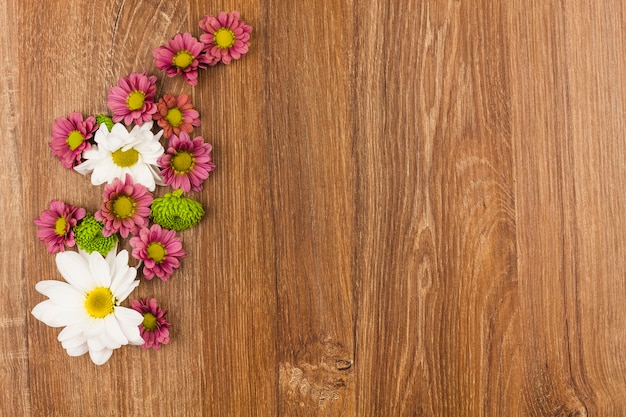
x,y
419,210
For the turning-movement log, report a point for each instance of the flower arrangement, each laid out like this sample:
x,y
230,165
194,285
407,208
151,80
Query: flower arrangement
x,y
124,152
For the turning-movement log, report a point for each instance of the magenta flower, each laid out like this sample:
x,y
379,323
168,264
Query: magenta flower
x,y
186,163
159,249
56,225
70,137
183,55
226,37
154,328
132,101
176,114
126,207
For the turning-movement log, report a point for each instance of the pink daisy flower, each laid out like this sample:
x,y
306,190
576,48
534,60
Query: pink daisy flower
x,y
186,163
132,101
183,55
227,37
176,114
154,328
159,249
126,207
56,225
70,137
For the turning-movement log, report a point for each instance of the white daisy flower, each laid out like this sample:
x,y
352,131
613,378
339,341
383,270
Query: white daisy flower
x,y
119,152
87,305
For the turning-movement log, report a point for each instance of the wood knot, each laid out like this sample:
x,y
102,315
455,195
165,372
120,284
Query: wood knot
x,y
343,364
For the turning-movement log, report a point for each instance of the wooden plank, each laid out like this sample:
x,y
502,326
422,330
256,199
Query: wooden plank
x,y
418,209
568,118
237,246
14,387
309,113
437,324
221,301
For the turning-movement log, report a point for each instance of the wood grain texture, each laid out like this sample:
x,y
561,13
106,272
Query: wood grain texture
x,y
418,210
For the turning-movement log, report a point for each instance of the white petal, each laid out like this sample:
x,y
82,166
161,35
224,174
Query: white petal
x,y
74,342
95,344
122,279
85,168
111,256
60,292
102,173
145,127
101,356
119,261
141,174
74,331
101,133
119,132
94,328
157,136
100,270
129,321
122,282
115,337
125,289
78,350
156,174
55,315
74,268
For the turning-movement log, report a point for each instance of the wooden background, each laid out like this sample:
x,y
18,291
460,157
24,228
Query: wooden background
x,y
419,210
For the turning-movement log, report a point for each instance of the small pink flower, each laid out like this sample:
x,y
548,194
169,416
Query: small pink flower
x,y
159,249
227,37
186,163
70,137
132,101
183,55
154,328
176,114
126,207
56,225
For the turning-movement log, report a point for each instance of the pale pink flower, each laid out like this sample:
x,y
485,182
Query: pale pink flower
x,y
226,36
154,328
70,137
186,163
56,225
132,101
183,55
159,249
126,207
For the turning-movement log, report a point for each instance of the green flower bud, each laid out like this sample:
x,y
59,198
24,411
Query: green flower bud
x,y
175,212
89,237
103,118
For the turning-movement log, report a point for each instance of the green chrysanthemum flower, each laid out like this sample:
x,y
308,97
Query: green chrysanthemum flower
x,y
175,212
103,118
88,236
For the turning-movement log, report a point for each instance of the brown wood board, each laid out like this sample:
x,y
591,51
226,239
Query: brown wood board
x,y
418,210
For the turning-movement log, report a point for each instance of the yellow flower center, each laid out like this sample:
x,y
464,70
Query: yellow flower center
x,y
174,117
124,206
60,226
74,139
149,321
182,162
224,38
182,59
125,158
156,252
135,100
100,302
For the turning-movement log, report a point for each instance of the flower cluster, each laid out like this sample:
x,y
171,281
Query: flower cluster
x,y
131,155
225,38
